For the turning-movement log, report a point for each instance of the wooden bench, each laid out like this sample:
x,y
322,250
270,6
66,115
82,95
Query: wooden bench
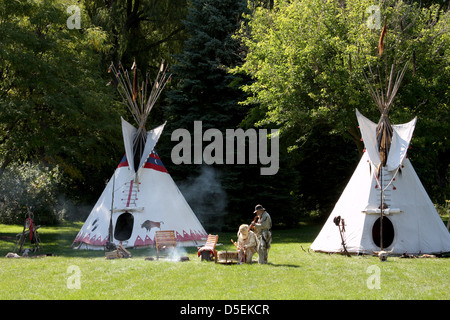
x,y
163,240
209,248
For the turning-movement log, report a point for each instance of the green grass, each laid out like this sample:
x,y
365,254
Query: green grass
x,y
291,273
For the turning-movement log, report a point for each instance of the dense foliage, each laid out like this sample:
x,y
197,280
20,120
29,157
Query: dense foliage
x,y
295,65
55,108
308,60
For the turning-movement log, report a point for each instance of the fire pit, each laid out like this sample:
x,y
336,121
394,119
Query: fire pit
x,y
227,257
180,259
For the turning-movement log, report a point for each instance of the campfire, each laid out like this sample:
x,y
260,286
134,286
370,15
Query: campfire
x,y
173,255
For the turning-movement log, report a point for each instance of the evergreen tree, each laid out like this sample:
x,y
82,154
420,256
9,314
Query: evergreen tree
x,y
203,90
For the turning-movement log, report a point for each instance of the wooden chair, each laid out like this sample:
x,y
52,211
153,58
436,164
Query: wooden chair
x,y
209,248
163,240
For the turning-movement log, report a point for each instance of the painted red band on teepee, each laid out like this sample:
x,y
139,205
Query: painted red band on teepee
x,y
155,163
123,162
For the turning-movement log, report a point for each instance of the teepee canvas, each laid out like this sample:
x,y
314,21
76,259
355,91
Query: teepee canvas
x,y
384,206
141,197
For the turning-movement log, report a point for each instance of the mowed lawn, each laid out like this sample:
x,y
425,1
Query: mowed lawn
x,y
292,273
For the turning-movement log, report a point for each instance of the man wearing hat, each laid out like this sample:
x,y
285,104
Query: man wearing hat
x,y
263,234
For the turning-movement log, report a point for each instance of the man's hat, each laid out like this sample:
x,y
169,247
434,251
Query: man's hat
x,y
258,207
243,228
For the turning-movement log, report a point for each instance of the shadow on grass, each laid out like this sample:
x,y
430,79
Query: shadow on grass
x,y
57,240
283,265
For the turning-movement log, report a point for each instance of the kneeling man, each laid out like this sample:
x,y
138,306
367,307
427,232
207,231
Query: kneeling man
x,y
246,244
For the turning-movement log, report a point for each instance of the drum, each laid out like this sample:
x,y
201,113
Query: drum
x,y
227,257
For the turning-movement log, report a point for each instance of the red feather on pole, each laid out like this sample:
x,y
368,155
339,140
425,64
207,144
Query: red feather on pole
x,y
381,41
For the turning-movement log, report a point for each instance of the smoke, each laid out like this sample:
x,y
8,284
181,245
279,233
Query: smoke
x,y
71,211
206,197
176,254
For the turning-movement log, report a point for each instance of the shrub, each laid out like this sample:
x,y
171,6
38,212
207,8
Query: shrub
x,y
32,186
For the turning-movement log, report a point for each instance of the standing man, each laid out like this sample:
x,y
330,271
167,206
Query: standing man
x,y
262,229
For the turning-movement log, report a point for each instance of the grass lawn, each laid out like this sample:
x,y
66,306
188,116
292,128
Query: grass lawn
x,y
291,273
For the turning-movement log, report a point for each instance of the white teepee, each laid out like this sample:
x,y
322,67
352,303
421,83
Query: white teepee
x,y
384,206
141,197
410,224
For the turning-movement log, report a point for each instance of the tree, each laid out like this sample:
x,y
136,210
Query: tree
x,y
55,107
203,90
143,30
307,60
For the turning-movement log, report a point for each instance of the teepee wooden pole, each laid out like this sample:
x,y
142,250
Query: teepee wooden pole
x,y
139,101
109,244
381,207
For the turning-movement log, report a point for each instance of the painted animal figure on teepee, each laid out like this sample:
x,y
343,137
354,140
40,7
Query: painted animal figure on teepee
x,y
141,196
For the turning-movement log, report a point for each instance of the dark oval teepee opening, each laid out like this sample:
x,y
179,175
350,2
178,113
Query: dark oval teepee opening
x,y
124,226
388,232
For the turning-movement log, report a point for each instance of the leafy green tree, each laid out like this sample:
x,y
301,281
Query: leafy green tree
x,y
307,60
143,30
55,107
